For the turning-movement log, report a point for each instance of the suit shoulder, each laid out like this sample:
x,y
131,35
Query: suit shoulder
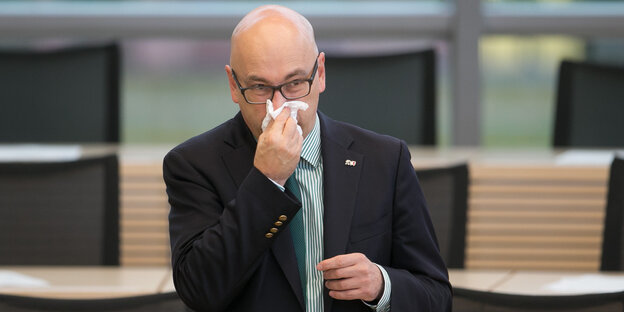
x,y
364,139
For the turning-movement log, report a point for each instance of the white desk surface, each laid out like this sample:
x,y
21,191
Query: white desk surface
x,y
102,282
538,283
106,282
86,282
168,284
561,283
422,156
483,280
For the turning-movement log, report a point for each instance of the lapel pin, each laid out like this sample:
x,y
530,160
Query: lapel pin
x,y
349,162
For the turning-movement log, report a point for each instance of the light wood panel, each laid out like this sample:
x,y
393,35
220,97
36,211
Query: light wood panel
x,y
144,211
535,217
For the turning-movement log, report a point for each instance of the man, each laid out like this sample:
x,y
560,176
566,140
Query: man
x,y
329,219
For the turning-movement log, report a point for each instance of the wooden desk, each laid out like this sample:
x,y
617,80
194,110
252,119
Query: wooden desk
x,y
89,282
537,283
107,282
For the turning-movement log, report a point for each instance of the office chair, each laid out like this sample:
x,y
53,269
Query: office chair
x,y
468,300
60,96
589,106
164,302
612,258
446,193
394,94
60,213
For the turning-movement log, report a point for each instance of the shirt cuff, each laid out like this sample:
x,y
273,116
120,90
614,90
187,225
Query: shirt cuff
x,y
277,184
384,302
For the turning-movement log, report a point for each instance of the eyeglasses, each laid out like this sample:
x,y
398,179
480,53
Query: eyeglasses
x,y
292,90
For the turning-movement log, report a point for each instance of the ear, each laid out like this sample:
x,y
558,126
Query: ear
x,y
321,72
234,91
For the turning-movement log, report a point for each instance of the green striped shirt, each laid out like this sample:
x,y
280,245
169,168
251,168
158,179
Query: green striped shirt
x,y
309,177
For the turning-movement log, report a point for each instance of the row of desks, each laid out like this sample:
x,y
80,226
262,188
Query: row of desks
x,y
104,282
529,209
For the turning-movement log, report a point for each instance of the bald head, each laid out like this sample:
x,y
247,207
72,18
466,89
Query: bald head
x,y
272,46
270,28
276,13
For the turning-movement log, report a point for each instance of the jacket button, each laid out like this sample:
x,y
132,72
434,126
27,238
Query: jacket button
x,y
283,218
268,235
273,230
278,223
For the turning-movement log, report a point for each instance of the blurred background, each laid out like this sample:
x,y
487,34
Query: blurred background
x,y
503,195
504,54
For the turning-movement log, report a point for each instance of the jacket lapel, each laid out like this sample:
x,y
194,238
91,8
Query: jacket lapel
x,y
340,186
239,161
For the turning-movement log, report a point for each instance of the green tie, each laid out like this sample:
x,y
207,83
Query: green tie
x,y
296,230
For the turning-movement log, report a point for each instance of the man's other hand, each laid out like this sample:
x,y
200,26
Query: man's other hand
x,y
279,148
352,276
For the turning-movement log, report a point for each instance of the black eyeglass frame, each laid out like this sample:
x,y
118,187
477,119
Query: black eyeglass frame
x,y
278,87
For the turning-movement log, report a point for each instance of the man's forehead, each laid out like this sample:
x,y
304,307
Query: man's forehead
x,y
290,50
272,24
276,71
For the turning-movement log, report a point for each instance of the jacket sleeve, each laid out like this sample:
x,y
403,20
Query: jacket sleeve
x,y
417,272
216,245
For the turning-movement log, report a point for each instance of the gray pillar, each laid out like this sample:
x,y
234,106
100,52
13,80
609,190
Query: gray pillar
x,y
466,109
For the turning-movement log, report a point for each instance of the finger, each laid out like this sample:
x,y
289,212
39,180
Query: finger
x,y
290,128
345,272
343,284
351,294
280,120
339,261
283,115
350,290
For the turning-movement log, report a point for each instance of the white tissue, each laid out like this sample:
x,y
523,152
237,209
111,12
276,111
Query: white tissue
x,y
295,106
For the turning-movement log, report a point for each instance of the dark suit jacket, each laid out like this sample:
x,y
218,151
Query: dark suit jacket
x,y
222,207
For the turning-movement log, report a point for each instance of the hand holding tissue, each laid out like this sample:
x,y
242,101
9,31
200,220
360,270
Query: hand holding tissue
x,y
295,106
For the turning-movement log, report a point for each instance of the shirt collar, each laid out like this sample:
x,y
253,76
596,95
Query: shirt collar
x,y
311,150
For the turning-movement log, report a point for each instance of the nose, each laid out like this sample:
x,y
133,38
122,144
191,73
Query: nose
x,y
278,99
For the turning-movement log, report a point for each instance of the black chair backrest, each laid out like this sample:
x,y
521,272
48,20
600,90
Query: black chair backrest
x,y
392,95
446,192
60,213
613,237
66,95
165,302
468,300
589,106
